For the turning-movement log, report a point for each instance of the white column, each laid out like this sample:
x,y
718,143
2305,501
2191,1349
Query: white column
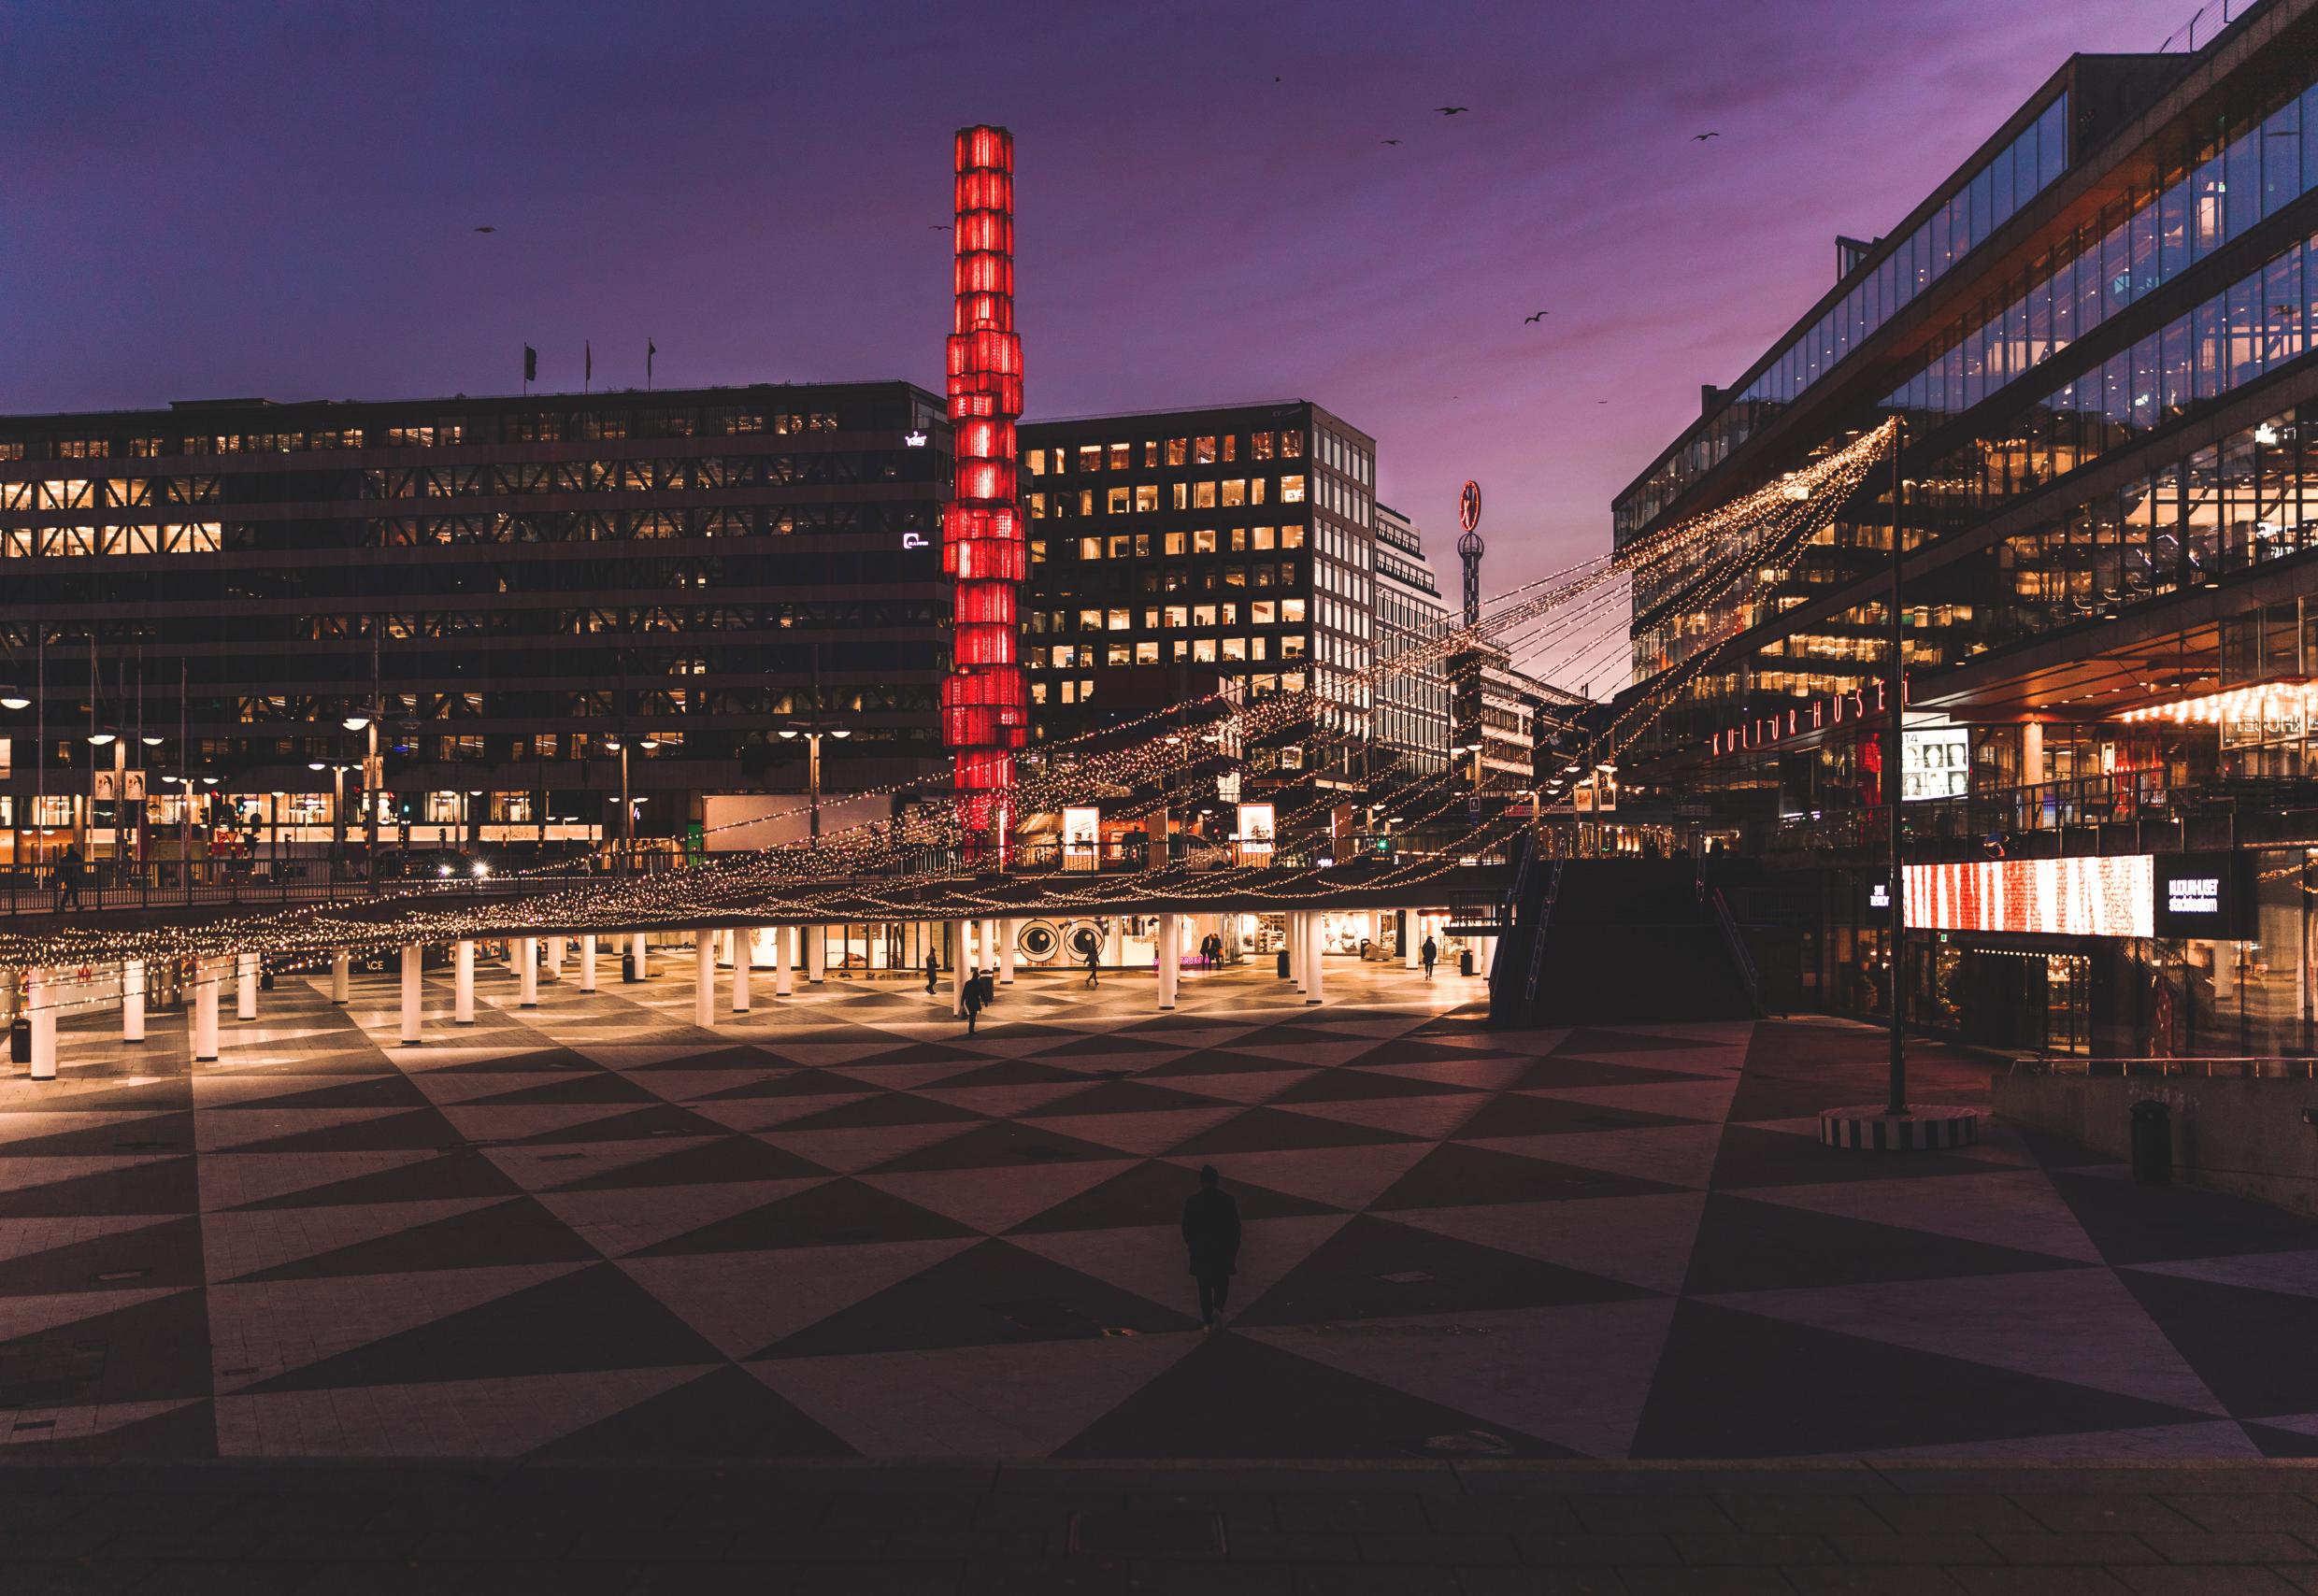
x,y
816,953
1314,984
726,943
527,972
40,1004
245,986
1487,962
413,957
744,959
1168,958
1299,945
587,962
639,957
785,960
341,977
1114,942
207,973
1006,952
133,1000
704,978
463,982
556,958
1411,939
957,972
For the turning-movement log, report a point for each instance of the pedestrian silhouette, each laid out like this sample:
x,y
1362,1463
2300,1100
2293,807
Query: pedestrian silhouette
x,y
973,999
933,970
68,878
1211,1231
1095,964
1429,952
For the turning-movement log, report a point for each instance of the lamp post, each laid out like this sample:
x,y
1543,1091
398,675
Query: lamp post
x,y
813,731
618,745
337,770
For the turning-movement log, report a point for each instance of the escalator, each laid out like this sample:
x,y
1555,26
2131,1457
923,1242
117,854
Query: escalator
x,y
1598,941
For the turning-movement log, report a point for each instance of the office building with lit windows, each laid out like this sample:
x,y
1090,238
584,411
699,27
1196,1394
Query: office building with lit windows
x,y
1173,550
539,598
1409,718
2101,333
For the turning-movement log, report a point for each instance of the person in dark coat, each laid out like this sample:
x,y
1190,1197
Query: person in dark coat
x,y
68,878
1429,952
933,972
1095,964
1211,1231
972,997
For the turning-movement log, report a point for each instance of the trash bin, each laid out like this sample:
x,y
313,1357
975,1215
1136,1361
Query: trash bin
x,y
20,1041
1465,962
1284,963
2153,1143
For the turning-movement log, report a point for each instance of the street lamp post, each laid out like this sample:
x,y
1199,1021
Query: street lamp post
x,y
813,731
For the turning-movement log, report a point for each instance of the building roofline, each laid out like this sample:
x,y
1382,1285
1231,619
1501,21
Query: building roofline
x,y
183,408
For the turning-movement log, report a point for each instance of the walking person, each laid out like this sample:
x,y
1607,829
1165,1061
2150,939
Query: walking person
x,y
972,998
933,971
1429,952
1211,1232
1095,964
68,878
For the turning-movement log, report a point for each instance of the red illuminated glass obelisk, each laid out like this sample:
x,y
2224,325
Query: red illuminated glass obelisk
x,y
985,717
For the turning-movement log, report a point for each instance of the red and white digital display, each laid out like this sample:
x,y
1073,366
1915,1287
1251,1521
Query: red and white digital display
x,y
2059,897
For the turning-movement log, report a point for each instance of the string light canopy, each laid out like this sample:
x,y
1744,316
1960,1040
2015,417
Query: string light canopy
x,y
2281,700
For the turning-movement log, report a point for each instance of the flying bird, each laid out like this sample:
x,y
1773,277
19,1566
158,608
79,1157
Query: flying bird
x,y
1539,316
1391,141
1452,111
938,227
1702,138
486,230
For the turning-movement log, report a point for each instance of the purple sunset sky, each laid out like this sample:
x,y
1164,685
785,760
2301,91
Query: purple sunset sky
x,y
278,199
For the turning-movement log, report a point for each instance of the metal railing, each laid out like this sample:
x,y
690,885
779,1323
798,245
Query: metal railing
x,y
2266,1068
2138,811
1729,925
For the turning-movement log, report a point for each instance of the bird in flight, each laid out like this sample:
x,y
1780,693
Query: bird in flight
x,y
1391,141
938,227
486,230
1452,111
1539,316
1702,138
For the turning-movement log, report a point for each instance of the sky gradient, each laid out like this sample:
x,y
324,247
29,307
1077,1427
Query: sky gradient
x,y
279,199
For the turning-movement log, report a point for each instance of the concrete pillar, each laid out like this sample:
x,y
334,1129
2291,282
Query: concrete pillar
x,y
727,945
245,986
527,972
744,959
556,958
1487,963
133,1000
1314,984
207,973
463,982
1114,942
1171,957
40,1006
785,960
414,960
957,972
587,962
1411,939
1006,952
704,978
1299,945
816,953
341,977
639,958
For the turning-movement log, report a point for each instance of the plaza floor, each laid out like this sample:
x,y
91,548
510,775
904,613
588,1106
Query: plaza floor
x,y
840,1228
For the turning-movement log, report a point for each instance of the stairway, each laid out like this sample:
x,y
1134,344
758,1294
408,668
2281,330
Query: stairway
x,y
1601,941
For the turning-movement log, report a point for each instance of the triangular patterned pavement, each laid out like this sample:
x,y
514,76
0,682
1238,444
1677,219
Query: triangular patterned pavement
x,y
1374,1268
744,1303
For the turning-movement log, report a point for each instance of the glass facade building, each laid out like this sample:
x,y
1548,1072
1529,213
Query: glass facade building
x,y
1411,718
511,586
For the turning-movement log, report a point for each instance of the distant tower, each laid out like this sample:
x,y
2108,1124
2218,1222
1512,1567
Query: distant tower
x,y
1469,549
985,718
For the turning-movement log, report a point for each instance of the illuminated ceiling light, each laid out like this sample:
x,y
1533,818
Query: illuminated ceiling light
x,y
13,698
101,739
842,733
2266,435
355,722
150,741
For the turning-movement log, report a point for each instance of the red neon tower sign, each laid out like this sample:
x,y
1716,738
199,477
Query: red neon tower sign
x,y
985,716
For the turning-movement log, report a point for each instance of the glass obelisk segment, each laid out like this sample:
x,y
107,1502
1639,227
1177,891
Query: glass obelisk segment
x,y
985,717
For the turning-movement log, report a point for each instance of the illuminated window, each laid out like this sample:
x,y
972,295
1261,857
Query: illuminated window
x,y
1203,495
1203,614
1119,544
1142,547
1177,450
1290,445
1115,654
1037,506
1038,692
1151,451
1121,500
1231,445
1260,537
1065,653
1255,490
1121,620
1147,496
1069,690
1203,540
1259,446
1291,490
1291,538
1179,493
1234,490
1203,451
1176,615
1090,620
1180,650
1292,611
1203,649
1036,460
1090,549
1121,456
1086,500
1235,575
1147,654
1175,543
1256,648
1261,613
1090,457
